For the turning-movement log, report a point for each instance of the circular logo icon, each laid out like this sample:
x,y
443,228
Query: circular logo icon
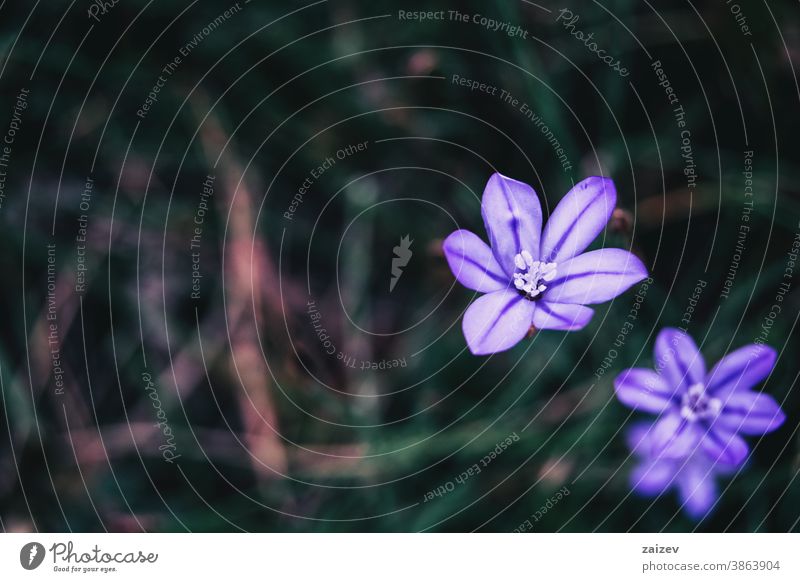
x,y
31,555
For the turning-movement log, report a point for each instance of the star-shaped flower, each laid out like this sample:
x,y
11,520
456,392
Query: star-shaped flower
x,y
702,410
535,277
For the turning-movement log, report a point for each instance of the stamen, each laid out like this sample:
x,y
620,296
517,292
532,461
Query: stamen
x,y
696,404
531,275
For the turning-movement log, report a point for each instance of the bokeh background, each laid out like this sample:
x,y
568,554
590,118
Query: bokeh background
x,y
265,378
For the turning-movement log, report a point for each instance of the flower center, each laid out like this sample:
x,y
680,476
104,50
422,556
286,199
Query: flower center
x,y
531,275
696,404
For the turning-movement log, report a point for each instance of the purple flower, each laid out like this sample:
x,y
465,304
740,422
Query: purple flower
x,y
694,477
700,410
532,277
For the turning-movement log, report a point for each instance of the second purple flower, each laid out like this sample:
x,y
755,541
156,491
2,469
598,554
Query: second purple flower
x,y
699,409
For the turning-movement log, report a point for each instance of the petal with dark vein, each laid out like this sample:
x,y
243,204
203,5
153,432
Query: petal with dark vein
x,y
497,321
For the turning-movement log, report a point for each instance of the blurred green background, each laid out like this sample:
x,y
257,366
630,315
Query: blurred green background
x,y
197,393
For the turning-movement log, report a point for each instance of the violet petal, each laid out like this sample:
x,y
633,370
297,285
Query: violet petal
x,y
643,389
652,477
513,218
639,438
741,369
577,220
724,446
674,437
473,263
752,413
678,359
595,277
561,316
497,321
697,488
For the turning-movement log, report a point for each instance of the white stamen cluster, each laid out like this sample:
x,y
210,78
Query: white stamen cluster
x,y
531,275
696,404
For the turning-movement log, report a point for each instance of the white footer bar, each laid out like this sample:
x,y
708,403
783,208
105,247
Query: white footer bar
x,y
401,557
